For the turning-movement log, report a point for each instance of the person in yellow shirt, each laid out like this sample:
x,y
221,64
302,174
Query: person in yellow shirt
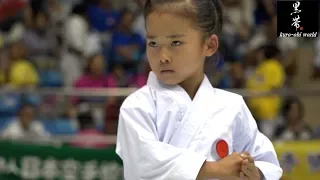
x,y
21,73
268,76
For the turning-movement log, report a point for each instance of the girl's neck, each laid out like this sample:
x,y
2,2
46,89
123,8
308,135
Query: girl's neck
x,y
192,84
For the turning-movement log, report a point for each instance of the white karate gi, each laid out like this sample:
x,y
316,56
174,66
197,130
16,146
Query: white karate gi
x,y
164,135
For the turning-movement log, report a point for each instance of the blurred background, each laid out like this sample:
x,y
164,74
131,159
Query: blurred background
x,y
67,65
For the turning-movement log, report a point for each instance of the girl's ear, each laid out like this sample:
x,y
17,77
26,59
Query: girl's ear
x,y
212,45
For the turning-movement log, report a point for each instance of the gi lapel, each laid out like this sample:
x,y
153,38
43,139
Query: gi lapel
x,y
197,111
201,110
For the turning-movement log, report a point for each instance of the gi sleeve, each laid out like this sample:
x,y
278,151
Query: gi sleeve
x,y
143,155
248,138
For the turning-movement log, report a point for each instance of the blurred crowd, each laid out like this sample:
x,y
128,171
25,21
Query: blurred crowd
x,y
91,44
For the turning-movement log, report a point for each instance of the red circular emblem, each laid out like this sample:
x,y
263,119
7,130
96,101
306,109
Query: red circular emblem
x,y
222,148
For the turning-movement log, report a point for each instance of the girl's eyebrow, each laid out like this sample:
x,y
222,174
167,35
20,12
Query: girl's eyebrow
x,y
170,37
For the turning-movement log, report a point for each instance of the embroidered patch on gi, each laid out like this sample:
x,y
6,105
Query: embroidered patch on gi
x,y
222,148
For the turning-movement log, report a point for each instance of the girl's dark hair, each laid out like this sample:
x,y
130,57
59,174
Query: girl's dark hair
x,y
207,14
287,106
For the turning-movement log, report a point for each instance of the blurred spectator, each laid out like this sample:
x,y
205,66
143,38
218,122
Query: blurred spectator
x,y
139,23
317,132
140,79
70,112
253,59
37,5
95,76
1,40
234,78
57,12
267,34
11,8
39,40
265,10
269,76
88,131
111,119
75,35
237,76
20,72
316,71
94,44
238,24
127,47
102,16
25,126
118,77
293,127
3,66
28,16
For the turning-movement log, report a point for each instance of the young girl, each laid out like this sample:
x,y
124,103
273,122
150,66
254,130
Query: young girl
x,y
178,127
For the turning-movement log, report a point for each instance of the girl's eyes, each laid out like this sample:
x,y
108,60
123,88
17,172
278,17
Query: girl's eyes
x,y
153,44
174,43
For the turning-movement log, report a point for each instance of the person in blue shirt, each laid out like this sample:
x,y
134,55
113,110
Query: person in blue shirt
x,y
127,47
265,10
102,17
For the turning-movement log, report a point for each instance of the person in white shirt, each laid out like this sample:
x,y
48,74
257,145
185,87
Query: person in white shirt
x,y
24,126
178,127
76,32
138,25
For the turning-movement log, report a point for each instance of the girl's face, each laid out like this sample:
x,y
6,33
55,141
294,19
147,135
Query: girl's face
x,y
176,49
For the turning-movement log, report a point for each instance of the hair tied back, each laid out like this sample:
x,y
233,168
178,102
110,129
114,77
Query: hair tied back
x,y
219,13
